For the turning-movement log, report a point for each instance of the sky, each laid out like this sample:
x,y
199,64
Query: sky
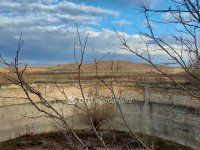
x,y
49,29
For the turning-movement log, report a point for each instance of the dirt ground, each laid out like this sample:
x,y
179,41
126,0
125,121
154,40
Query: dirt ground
x,y
59,141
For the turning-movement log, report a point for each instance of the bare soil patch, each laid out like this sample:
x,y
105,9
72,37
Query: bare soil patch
x,y
57,141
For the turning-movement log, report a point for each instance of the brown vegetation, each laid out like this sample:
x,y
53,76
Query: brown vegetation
x,y
103,66
107,69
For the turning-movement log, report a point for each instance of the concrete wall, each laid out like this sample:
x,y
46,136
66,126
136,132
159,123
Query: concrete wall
x,y
164,111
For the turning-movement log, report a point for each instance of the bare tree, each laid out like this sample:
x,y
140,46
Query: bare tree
x,y
109,85
181,48
56,113
46,107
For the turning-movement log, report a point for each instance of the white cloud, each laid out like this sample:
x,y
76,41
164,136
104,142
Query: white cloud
x,y
50,12
59,7
69,6
122,22
174,16
55,43
80,18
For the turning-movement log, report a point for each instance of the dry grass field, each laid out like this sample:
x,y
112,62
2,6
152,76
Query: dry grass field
x,y
107,69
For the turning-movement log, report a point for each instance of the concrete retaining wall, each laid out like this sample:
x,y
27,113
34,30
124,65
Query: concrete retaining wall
x,y
168,113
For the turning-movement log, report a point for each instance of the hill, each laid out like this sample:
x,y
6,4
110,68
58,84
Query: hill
x,y
106,69
103,66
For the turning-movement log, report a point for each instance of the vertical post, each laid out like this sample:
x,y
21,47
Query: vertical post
x,y
45,91
146,93
146,111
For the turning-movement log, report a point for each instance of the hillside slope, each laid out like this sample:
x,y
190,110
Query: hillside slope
x,y
103,66
120,70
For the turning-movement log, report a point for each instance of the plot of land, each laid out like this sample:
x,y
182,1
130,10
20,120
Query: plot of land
x,y
123,70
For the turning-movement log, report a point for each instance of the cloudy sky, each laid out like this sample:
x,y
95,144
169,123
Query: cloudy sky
x,y
49,28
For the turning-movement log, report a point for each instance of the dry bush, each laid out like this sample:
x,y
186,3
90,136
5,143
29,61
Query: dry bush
x,y
100,114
